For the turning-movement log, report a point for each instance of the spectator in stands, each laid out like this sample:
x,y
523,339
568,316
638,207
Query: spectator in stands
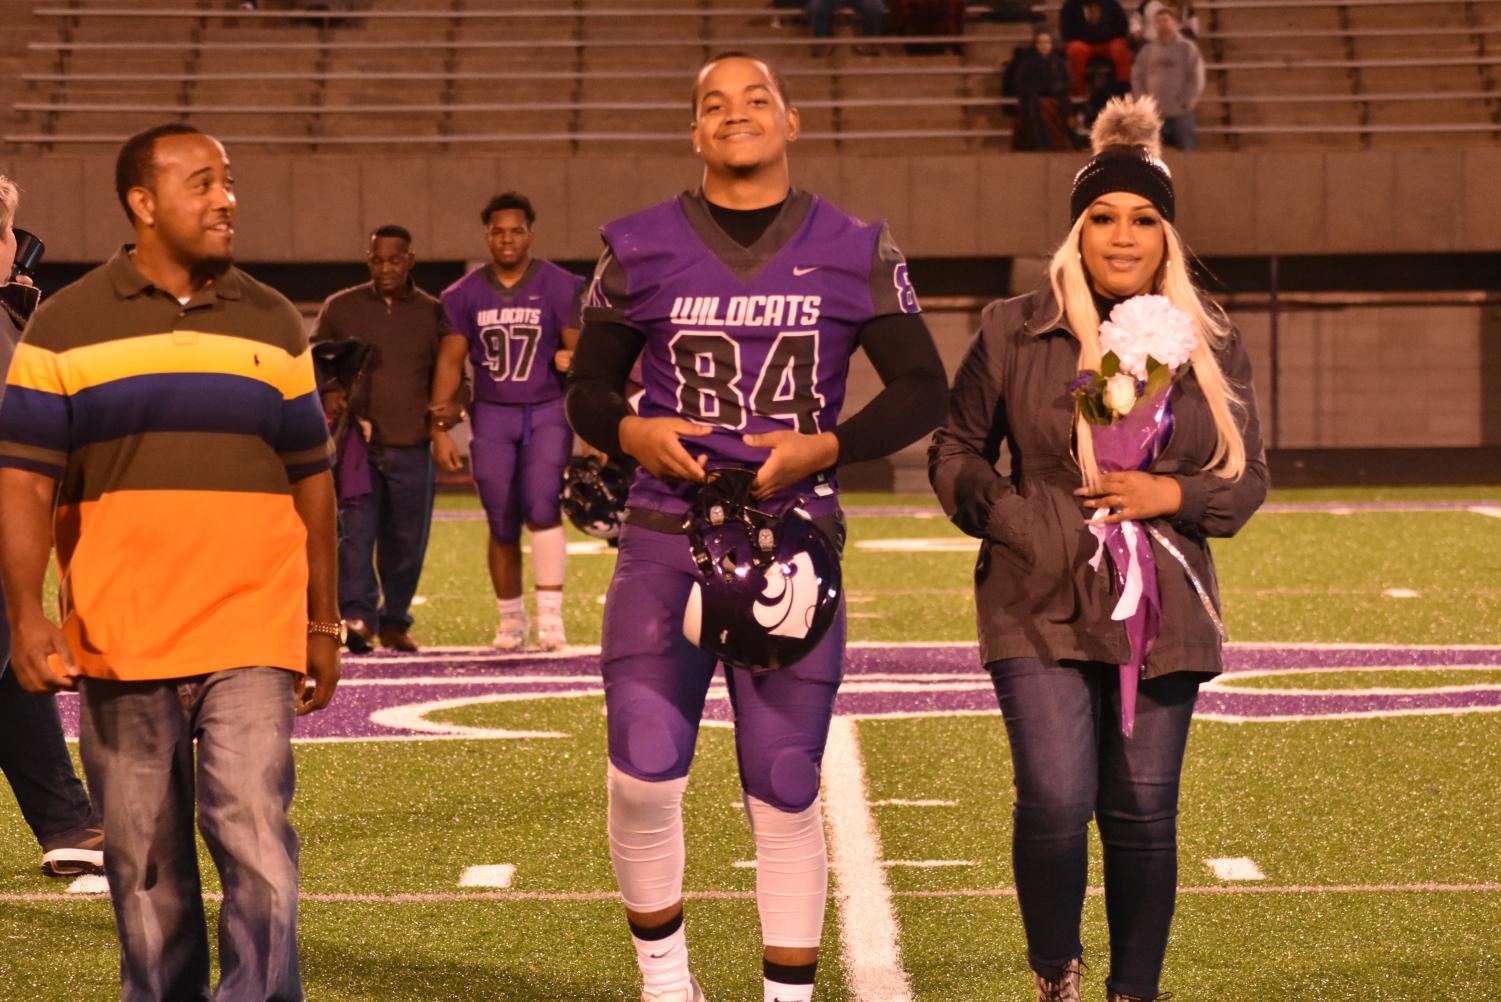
x,y
1171,70
1095,28
821,13
1144,20
33,753
1037,77
385,529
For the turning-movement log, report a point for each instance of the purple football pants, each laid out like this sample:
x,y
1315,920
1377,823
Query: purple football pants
x,y
656,683
518,454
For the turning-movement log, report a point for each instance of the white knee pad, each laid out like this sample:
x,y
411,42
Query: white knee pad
x,y
792,873
549,556
646,839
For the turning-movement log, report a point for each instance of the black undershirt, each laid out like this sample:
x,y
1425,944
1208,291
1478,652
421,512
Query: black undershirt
x,y
745,226
912,403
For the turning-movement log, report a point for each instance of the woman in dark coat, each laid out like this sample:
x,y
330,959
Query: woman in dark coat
x,y
1038,78
1045,599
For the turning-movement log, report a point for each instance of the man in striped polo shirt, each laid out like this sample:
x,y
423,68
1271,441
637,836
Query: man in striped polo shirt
x,y
167,402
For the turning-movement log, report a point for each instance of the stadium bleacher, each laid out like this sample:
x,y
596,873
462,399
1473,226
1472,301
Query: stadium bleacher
x,y
606,75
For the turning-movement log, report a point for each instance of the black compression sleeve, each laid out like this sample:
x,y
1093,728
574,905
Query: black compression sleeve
x,y
914,399
595,396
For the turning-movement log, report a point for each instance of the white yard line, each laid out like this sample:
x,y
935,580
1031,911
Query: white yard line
x,y
455,897
1485,510
868,930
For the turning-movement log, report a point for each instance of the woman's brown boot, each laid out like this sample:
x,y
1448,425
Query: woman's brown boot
x,y
1064,989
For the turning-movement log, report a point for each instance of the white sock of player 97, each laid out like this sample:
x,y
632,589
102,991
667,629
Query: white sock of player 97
x,y
792,873
549,557
511,608
549,603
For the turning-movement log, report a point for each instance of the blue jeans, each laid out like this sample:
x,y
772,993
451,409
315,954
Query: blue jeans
x,y
1178,131
1070,763
136,739
872,12
35,760
385,537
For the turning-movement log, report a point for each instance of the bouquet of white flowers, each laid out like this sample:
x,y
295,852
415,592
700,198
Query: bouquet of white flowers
x,y
1147,343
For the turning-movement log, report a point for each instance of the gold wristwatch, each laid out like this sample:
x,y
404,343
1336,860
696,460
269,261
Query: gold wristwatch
x,y
337,630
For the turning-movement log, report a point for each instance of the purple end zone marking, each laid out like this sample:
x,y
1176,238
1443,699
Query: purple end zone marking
x,y
473,674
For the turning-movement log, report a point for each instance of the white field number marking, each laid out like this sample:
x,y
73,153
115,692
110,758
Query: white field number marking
x,y
489,875
1235,868
89,883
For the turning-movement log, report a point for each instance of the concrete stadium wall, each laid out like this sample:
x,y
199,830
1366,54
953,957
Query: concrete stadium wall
x,y
318,208
1350,377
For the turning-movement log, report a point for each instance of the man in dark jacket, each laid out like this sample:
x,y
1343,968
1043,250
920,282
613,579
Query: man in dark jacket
x,y
385,519
33,753
1095,28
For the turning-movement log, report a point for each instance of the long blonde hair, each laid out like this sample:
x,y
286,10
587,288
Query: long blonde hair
x,y
1075,302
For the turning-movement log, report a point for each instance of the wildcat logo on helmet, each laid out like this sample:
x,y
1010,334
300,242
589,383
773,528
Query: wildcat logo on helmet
x,y
768,587
789,598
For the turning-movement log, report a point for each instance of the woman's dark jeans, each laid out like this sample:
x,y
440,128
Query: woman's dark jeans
x,y
1070,762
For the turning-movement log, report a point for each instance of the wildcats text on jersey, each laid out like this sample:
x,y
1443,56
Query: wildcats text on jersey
x,y
508,315
745,311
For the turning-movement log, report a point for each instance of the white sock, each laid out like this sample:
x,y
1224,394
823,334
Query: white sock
x,y
663,962
549,556
775,991
549,603
511,608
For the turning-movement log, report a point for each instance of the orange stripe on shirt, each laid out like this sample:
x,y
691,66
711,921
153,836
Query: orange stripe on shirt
x,y
166,584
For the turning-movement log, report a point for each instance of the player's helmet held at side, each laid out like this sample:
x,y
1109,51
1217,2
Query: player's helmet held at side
x,y
593,496
769,585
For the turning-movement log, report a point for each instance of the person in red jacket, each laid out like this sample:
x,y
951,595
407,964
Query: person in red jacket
x,y
1093,28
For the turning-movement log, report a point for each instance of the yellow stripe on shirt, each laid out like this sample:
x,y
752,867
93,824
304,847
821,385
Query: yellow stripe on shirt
x,y
68,372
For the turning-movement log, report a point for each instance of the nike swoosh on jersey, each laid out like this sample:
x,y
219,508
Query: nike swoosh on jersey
x,y
803,271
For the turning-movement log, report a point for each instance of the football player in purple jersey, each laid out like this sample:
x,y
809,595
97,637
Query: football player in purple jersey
x,y
514,319
744,301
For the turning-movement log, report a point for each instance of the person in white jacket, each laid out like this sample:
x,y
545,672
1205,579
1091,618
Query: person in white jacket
x,y
1143,20
1172,71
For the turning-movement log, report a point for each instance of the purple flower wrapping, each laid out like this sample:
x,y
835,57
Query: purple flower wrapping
x,y
1133,443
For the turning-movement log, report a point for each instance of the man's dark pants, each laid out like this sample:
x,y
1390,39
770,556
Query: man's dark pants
x,y
384,537
35,758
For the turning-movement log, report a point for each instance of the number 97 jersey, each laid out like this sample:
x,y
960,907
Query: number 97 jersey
x,y
514,332
745,339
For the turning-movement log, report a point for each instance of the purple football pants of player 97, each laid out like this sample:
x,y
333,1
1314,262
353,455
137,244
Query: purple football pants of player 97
x,y
656,682
518,454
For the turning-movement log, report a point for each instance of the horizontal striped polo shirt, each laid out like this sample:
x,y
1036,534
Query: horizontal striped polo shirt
x,y
175,432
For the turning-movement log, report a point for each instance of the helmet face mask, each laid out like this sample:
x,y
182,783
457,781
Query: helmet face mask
x,y
769,586
593,496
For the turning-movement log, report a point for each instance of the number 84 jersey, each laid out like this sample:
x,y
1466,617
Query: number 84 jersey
x,y
745,339
514,332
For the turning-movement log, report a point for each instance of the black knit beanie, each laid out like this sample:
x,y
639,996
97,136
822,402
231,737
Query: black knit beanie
x,y
1123,168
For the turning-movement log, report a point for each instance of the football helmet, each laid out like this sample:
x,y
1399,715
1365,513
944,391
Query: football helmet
x,y
769,585
593,496
339,364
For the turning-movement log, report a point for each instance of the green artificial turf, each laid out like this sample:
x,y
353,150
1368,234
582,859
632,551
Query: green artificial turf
x,y
1317,804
